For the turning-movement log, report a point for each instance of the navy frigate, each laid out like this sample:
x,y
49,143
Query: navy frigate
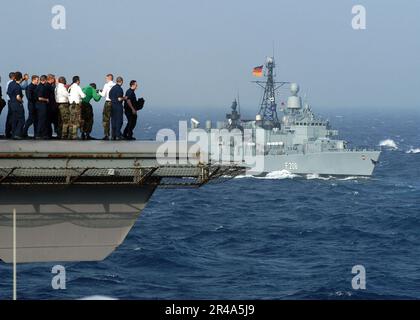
x,y
298,141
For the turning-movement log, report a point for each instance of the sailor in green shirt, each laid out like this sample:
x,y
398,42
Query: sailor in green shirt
x,y
87,110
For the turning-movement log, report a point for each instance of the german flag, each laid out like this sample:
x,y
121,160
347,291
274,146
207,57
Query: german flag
x,y
258,71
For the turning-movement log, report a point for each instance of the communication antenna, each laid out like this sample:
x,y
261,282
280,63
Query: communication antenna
x,y
274,49
239,104
268,107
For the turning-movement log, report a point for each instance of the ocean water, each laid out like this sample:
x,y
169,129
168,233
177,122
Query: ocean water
x,y
281,237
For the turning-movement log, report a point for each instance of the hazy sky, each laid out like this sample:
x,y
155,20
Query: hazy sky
x,y
200,53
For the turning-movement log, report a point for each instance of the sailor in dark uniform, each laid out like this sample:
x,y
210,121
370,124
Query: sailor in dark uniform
x,y
23,84
41,94
52,111
117,97
8,130
30,95
130,111
17,117
3,103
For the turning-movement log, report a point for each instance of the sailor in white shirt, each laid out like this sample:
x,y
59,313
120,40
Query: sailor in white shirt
x,y
75,99
61,93
62,99
76,94
106,116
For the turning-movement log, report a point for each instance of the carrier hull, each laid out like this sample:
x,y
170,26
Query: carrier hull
x,y
76,223
78,201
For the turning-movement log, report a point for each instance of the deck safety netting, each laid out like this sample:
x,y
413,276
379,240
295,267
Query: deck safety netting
x,y
165,176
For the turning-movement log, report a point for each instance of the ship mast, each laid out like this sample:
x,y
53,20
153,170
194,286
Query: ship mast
x,y
268,107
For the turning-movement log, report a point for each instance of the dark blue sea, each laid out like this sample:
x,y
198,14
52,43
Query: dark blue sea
x,y
280,238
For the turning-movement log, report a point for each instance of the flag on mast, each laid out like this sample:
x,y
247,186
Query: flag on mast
x,y
258,71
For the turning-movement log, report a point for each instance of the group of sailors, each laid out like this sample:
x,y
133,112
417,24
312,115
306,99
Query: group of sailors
x,y
65,109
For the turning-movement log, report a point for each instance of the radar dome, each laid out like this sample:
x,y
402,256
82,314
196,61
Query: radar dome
x,y
294,89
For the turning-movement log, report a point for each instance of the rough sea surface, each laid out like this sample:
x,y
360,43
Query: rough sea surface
x,y
280,237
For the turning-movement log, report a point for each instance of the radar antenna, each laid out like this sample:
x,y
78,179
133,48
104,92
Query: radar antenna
x,y
268,107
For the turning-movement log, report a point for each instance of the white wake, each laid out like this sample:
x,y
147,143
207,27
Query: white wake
x,y
280,175
413,150
388,143
274,175
316,176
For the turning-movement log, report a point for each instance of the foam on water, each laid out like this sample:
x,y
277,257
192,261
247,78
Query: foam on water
x,y
274,175
245,176
353,178
279,175
313,176
413,151
388,143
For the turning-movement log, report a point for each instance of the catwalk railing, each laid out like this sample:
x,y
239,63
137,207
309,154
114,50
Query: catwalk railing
x,y
164,176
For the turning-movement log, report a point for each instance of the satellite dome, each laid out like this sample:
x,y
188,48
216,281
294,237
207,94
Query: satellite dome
x,y
294,88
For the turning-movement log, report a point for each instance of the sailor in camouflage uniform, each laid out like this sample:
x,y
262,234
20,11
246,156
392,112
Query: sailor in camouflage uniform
x,y
75,99
62,99
106,116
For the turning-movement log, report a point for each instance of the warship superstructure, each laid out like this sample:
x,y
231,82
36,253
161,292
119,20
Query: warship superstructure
x,y
295,139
